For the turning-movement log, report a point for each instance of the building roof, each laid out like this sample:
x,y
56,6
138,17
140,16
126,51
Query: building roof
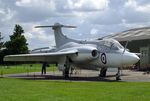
x,y
132,34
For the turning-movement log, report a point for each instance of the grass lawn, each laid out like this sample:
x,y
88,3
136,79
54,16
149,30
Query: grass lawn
x,y
12,89
22,68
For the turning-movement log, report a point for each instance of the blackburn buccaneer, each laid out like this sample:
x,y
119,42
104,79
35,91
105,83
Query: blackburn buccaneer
x,y
92,55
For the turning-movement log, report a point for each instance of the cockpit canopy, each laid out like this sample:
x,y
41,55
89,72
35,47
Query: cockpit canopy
x,y
112,44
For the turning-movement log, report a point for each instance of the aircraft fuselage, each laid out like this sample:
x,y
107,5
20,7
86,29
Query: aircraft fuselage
x,y
104,55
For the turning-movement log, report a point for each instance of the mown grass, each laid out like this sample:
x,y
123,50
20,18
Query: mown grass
x,y
12,89
46,90
24,68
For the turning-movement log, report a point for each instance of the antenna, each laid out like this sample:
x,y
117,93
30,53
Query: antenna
x,y
125,47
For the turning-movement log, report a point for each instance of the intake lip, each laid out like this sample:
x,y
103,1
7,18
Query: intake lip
x,y
94,53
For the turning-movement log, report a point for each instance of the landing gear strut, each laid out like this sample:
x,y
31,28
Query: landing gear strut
x,y
103,72
66,73
67,67
118,74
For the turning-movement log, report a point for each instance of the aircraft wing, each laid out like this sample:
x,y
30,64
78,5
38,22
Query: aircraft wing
x,y
51,57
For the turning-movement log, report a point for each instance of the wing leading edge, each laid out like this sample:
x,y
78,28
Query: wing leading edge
x,y
52,57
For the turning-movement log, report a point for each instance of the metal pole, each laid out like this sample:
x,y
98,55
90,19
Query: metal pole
x,y
2,71
34,70
27,68
53,70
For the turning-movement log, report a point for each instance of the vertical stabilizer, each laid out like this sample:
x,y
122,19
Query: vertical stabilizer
x,y
60,39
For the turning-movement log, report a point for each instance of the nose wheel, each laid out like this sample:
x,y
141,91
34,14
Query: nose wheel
x,y
118,75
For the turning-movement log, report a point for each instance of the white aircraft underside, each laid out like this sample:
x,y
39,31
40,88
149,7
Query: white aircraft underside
x,y
83,54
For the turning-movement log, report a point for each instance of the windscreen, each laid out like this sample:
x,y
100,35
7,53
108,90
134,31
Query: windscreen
x,y
112,44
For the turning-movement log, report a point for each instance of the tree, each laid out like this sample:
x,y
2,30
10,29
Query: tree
x,y
18,43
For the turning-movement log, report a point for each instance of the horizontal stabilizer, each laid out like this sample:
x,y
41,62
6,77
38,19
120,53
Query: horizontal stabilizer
x,y
42,26
40,48
56,25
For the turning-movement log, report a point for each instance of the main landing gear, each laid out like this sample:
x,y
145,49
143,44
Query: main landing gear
x,y
67,67
66,73
103,72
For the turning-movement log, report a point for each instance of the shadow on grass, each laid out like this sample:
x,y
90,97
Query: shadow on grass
x,y
61,78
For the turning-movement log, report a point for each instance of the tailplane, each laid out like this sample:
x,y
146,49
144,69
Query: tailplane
x,y
60,39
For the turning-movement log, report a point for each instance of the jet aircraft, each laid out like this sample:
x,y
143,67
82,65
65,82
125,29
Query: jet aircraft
x,y
92,55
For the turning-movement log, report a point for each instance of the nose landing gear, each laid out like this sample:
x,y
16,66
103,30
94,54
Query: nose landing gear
x,y
118,75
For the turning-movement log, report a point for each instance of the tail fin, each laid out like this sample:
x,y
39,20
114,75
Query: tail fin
x,y
60,39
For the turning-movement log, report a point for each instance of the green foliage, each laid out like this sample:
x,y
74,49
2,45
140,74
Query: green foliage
x,y
47,90
18,43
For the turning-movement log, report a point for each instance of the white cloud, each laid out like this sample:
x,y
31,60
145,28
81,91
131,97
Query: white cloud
x,y
131,3
23,2
86,5
39,38
94,18
43,4
94,31
40,34
28,35
144,8
2,11
107,17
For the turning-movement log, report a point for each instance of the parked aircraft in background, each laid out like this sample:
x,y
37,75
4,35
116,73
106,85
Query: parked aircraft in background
x,y
93,55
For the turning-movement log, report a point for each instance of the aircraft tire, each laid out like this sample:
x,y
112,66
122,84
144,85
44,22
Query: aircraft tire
x,y
103,72
66,73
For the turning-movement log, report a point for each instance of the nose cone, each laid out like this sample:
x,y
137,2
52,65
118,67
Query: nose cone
x,y
130,58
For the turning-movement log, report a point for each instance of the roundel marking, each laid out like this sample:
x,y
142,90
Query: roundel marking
x,y
103,58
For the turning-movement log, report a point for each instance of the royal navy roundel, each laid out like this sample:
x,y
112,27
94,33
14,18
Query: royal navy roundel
x,y
103,58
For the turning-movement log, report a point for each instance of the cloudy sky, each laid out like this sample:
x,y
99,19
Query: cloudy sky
x,y
93,18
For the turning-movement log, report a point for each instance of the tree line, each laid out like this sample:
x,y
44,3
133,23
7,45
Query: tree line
x,y
16,45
